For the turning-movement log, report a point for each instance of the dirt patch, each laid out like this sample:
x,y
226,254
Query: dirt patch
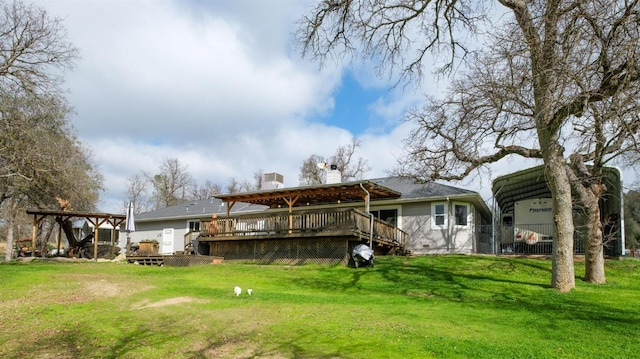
x,y
238,350
143,304
103,288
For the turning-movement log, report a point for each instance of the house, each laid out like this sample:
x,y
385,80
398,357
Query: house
x,y
525,212
274,222
169,226
438,218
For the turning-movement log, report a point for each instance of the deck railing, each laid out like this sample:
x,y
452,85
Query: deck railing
x,y
282,223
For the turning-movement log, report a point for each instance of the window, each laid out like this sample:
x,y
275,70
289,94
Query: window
x,y
194,226
461,214
388,215
439,214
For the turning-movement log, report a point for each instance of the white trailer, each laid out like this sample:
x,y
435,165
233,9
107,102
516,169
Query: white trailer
x,y
533,220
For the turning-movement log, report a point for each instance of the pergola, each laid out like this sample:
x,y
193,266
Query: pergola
x,y
96,219
335,193
312,195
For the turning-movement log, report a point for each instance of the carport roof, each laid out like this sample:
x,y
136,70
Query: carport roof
x,y
529,183
532,183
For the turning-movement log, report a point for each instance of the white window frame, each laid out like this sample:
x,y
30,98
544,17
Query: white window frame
x,y
434,215
398,210
189,224
455,216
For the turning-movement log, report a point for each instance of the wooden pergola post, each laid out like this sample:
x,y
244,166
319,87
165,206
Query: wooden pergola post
x,y
96,226
34,232
59,240
290,201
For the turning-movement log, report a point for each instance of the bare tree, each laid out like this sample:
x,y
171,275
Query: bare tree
x,y
233,186
206,191
349,167
34,53
137,193
258,176
523,94
310,173
34,45
172,185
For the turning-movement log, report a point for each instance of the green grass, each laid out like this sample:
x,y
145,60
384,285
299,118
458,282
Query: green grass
x,y
423,307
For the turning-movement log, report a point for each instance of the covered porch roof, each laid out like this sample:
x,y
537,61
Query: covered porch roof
x,y
312,195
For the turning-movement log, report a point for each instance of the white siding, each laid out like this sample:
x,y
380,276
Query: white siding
x,y
425,237
153,230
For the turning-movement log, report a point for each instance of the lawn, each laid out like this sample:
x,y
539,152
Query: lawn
x,y
422,307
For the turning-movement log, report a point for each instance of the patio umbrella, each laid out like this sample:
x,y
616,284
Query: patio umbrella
x,y
130,225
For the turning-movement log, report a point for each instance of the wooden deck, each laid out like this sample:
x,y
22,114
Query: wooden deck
x,y
314,223
326,235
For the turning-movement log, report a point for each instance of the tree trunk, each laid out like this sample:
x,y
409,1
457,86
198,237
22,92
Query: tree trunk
x,y
594,251
9,253
563,271
75,246
589,189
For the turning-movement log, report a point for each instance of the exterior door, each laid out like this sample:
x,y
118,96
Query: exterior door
x,y
167,241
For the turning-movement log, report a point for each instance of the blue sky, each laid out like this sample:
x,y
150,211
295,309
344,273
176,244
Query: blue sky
x,y
353,106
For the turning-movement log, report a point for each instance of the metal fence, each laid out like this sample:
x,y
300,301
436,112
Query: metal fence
x,y
531,239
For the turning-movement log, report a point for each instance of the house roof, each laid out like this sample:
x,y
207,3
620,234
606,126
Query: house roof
x,y
410,189
381,189
413,192
195,209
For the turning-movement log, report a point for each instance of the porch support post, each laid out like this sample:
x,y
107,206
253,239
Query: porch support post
x,y
290,201
367,199
227,223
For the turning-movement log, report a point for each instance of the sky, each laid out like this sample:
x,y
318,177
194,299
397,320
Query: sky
x,y
220,86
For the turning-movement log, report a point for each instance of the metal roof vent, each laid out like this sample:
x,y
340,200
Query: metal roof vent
x,y
272,181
